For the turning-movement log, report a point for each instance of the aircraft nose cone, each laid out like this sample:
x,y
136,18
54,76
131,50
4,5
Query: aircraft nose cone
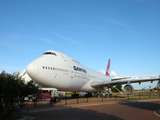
x,y
31,70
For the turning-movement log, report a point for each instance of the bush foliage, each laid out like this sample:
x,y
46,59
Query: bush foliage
x,y
13,90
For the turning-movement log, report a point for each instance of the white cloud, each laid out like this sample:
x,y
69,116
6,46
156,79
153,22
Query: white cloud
x,y
102,71
65,39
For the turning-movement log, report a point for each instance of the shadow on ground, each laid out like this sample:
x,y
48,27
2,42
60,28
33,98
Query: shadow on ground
x,y
72,114
142,105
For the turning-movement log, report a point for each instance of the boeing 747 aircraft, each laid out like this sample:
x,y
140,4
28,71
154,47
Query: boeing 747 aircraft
x,y
57,70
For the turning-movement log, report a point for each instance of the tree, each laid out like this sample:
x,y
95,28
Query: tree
x,y
13,90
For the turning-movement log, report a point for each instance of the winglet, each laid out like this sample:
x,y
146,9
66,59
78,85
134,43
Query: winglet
x,y
108,69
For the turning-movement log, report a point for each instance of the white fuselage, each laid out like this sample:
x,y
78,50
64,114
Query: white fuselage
x,y
55,69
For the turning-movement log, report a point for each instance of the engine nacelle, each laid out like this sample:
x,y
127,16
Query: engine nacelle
x,y
128,88
158,84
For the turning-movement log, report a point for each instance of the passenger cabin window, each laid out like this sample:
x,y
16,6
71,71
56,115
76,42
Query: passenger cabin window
x,y
48,67
49,53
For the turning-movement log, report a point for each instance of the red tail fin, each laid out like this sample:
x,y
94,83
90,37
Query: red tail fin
x,y
108,68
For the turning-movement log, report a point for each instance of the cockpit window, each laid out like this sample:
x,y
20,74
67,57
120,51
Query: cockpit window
x,y
49,53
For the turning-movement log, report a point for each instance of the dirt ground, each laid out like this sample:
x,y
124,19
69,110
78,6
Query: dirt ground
x,y
108,110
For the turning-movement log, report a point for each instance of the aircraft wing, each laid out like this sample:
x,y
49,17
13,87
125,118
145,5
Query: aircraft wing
x,y
125,81
119,78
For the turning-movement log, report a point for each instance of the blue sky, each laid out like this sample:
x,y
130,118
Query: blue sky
x,y
91,31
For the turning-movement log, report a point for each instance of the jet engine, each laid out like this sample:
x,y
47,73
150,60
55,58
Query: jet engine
x,y
128,88
158,84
